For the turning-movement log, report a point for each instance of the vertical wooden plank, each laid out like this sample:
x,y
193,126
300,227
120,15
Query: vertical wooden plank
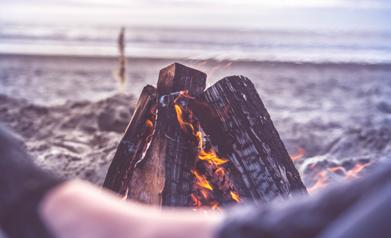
x,y
233,115
133,143
164,176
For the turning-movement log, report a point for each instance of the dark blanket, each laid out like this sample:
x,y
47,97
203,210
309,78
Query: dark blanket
x,y
359,209
22,186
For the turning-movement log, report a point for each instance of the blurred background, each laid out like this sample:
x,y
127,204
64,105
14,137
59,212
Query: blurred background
x,y
295,30
322,68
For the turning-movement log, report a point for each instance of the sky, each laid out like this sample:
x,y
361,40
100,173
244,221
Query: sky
x,y
345,15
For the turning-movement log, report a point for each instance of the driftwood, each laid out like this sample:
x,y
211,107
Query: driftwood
x,y
233,115
133,142
164,176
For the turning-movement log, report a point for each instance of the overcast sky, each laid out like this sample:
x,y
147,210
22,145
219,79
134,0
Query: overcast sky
x,y
258,14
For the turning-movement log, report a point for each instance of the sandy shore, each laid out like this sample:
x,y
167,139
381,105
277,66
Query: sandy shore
x,y
68,110
76,139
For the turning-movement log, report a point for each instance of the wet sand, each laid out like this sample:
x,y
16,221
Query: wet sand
x,y
71,116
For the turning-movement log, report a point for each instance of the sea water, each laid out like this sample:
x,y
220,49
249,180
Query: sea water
x,y
292,31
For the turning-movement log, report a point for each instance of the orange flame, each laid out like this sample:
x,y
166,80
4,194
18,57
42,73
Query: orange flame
x,y
181,122
235,196
298,155
200,140
202,181
210,157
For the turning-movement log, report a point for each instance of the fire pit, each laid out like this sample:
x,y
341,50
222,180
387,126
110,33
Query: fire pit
x,y
188,147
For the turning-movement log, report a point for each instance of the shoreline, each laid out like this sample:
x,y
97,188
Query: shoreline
x,y
239,62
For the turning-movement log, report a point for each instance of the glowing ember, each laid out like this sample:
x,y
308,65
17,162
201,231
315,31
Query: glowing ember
x,y
356,170
300,153
325,176
204,194
215,206
196,201
149,123
321,181
220,171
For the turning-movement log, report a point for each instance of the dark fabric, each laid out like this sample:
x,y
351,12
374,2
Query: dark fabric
x,y
22,187
368,218
322,215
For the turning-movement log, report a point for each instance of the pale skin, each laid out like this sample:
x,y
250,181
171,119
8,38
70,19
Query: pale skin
x,y
80,210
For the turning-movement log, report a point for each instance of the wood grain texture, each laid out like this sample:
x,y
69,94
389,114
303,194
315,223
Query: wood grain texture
x,y
233,115
164,176
133,142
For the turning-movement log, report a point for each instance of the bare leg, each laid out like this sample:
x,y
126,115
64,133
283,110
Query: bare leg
x,y
78,209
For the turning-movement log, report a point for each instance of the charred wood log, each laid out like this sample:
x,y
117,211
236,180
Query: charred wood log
x,y
133,143
163,177
233,115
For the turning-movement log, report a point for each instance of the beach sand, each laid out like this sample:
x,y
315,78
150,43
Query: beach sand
x,y
70,113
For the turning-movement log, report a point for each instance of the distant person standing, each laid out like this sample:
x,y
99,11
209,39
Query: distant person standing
x,y
120,74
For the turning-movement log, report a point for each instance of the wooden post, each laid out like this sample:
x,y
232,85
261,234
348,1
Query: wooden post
x,y
133,143
233,115
164,176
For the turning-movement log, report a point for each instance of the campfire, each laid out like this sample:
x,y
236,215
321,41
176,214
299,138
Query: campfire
x,y
187,146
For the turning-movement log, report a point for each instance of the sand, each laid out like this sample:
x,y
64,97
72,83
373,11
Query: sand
x,y
76,139
71,116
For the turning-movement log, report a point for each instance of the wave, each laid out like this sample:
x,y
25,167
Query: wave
x,y
257,45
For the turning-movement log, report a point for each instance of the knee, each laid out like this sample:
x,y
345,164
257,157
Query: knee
x,y
9,141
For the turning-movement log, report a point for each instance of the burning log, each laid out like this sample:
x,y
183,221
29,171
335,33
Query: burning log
x,y
203,149
164,176
133,143
233,115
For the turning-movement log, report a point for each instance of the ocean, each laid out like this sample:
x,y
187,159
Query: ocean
x,y
345,31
